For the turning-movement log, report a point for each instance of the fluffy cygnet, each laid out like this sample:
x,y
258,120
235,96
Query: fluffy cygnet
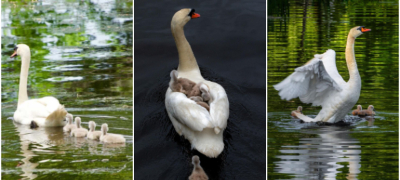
x,y
358,110
198,172
69,126
368,112
79,131
299,110
108,137
92,134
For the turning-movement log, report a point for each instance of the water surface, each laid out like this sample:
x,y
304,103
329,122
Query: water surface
x,y
228,41
366,148
82,55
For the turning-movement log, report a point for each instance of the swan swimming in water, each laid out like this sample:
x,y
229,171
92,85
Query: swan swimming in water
x,y
43,112
318,82
204,129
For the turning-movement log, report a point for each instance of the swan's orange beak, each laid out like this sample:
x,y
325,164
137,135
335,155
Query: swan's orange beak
x,y
195,15
365,30
14,54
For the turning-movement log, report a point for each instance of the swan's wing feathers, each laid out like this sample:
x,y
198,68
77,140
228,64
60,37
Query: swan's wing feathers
x,y
188,112
219,106
311,80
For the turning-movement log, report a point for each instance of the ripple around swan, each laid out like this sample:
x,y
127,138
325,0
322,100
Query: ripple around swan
x,y
64,79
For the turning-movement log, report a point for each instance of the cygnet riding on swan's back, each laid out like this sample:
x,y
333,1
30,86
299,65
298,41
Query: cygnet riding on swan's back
x,y
199,93
318,82
44,112
204,129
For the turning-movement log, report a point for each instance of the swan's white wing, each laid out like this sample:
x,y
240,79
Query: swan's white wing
x,y
50,102
219,106
187,111
30,110
313,80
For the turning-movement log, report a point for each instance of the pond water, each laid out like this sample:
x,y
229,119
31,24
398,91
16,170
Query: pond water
x,y
228,41
82,55
365,148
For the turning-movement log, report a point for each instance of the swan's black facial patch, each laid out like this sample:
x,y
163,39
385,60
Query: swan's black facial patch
x,y
16,47
359,28
191,12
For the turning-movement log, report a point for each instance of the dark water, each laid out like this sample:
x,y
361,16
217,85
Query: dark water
x,y
366,148
82,55
229,44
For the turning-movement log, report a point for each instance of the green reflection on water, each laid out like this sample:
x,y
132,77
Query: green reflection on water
x,y
299,29
82,55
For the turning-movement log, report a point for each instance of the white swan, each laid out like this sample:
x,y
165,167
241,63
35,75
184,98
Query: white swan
x,y
92,134
70,126
45,111
110,138
318,82
79,131
203,129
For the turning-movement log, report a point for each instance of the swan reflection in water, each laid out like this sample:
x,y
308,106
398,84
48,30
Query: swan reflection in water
x,y
323,155
37,140
41,140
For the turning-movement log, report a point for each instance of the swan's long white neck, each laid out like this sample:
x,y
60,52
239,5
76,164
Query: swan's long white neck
x,y
351,60
187,61
23,78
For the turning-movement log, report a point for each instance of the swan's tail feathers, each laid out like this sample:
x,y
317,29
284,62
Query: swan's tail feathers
x,y
208,143
57,115
304,117
217,130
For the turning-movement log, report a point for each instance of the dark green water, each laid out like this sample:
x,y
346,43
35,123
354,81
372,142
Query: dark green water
x,y
82,55
366,149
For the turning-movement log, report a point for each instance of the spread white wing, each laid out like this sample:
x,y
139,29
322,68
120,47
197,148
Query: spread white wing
x,y
312,81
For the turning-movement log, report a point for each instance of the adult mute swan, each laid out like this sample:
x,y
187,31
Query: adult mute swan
x,y
318,82
47,111
203,129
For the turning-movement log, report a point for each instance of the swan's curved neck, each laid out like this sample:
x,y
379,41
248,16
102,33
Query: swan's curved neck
x,y
187,61
351,60
23,78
